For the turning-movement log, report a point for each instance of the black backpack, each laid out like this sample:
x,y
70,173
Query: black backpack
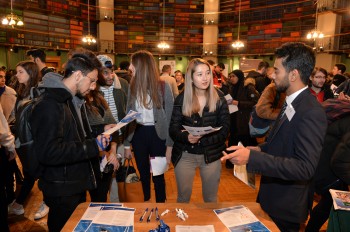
x,y
24,138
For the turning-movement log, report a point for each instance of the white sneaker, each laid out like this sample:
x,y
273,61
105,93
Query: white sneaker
x,y
15,208
42,211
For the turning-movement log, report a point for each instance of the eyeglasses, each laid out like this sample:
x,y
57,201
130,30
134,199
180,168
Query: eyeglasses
x,y
92,80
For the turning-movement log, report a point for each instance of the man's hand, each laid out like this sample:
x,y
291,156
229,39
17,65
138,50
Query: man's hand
x,y
193,139
239,157
103,141
109,126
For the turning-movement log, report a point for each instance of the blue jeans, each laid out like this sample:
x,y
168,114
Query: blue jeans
x,y
185,170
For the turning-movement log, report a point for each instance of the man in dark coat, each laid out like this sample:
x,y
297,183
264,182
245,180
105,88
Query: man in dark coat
x,y
62,138
289,157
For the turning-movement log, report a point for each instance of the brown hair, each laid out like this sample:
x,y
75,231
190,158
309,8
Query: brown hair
x,y
319,69
94,99
32,70
145,79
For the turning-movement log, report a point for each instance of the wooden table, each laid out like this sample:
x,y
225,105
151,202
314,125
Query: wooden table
x,y
199,214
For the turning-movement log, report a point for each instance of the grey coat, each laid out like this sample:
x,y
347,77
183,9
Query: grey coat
x,y
162,116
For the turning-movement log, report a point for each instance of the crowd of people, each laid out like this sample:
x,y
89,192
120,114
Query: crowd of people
x,y
300,155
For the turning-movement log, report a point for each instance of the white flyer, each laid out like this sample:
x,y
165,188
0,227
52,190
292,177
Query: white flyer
x,y
131,116
200,131
231,108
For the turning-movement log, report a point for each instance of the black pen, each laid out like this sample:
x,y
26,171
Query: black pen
x,y
143,215
157,215
150,215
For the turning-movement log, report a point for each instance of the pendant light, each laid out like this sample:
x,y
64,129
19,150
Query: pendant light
x,y
89,39
12,19
163,45
238,43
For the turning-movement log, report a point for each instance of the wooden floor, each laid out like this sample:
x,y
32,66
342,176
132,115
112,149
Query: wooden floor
x,y
230,189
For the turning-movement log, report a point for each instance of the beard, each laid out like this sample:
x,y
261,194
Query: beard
x,y
317,86
80,95
283,86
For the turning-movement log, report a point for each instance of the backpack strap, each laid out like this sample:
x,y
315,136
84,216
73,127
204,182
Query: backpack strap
x,y
36,92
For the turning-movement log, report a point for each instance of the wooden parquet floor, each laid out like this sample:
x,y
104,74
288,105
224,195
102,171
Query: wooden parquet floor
x,y
230,189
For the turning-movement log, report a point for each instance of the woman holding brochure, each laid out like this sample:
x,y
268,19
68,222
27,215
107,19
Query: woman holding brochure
x,y
244,96
101,119
149,134
199,105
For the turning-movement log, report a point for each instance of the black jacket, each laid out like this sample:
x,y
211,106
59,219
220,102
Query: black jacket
x,y
335,147
340,162
247,96
63,149
212,144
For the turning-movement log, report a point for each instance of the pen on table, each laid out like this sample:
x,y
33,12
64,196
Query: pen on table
x,y
150,215
157,215
143,215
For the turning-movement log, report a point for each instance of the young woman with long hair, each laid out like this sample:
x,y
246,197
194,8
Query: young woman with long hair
x,y
199,105
27,73
149,135
100,118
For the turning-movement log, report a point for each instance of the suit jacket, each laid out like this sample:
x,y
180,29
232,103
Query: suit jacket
x,y
288,160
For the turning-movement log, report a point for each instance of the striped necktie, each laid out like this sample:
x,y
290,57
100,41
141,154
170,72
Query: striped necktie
x,y
282,111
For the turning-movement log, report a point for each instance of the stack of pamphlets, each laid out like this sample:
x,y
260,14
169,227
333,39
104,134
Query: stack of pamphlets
x,y
110,217
341,199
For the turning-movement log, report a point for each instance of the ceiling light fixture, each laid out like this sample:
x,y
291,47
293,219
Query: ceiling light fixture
x,y
89,39
12,19
163,45
315,34
238,43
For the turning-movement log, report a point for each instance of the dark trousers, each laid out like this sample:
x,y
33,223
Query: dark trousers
x,y
12,166
286,226
246,140
3,199
27,186
103,183
146,143
320,213
61,208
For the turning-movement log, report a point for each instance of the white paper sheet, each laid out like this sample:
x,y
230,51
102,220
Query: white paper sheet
x,y
341,199
200,131
131,116
240,171
231,108
159,165
182,228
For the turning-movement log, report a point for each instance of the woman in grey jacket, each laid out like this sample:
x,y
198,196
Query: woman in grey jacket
x,y
199,105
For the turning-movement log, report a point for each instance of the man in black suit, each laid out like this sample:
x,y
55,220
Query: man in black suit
x,y
288,159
